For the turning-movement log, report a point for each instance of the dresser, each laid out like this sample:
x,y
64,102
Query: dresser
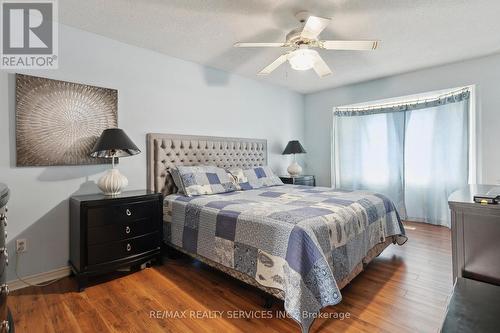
x,y
6,322
299,180
475,236
107,233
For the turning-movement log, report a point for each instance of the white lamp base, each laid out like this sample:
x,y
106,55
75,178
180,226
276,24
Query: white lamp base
x,y
112,183
294,169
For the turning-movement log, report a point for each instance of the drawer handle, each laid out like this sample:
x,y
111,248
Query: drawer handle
x,y
5,325
4,289
127,230
128,212
3,251
129,247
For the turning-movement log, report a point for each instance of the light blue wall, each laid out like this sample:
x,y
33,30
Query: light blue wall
x,y
157,93
483,72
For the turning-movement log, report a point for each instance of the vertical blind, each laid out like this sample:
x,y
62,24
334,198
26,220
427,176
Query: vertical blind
x,y
414,153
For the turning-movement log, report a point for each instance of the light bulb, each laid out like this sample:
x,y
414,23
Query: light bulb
x,y
302,59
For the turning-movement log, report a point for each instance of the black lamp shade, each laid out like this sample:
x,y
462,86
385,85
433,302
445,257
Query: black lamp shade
x,y
294,147
114,143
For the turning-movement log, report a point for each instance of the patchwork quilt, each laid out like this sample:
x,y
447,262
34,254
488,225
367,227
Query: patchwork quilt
x,y
298,239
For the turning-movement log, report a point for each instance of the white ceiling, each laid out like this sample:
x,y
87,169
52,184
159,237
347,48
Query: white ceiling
x,y
414,33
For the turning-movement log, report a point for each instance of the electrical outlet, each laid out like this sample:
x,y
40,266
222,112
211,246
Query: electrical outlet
x,y
21,245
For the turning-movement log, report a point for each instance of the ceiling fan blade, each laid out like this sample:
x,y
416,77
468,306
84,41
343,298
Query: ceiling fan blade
x,y
320,67
260,45
354,45
314,26
275,64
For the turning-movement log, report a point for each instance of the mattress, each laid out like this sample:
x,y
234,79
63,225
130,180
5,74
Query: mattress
x,y
298,239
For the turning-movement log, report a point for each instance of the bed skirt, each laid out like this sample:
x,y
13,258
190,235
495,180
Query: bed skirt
x,y
372,253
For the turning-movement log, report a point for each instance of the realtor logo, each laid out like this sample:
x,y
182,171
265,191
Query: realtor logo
x,y
29,34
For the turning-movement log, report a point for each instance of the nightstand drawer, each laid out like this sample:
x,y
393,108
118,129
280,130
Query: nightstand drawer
x,y
305,181
98,254
299,180
98,216
120,231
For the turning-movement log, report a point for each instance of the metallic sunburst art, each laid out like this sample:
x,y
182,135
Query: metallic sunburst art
x,y
58,123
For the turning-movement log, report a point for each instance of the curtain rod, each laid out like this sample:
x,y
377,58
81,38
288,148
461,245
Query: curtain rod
x,y
395,104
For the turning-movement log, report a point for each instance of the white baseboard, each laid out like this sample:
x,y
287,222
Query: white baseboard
x,y
40,278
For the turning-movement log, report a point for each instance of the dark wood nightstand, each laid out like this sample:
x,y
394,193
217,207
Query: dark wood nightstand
x,y
107,233
299,180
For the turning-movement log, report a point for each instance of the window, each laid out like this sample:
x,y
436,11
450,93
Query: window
x,y
416,152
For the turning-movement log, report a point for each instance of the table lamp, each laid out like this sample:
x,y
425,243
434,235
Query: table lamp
x,y
113,143
294,147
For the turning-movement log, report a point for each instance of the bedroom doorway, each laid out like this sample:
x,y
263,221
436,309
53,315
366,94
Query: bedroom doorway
x,y
416,150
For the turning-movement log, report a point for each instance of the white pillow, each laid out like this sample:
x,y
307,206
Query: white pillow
x,y
237,174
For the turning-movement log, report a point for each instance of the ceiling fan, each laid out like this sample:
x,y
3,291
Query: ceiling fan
x,y
302,41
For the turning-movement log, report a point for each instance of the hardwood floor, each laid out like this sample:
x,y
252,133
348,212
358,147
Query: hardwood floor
x,y
403,290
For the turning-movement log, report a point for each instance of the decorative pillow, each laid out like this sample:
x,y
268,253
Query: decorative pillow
x,y
260,177
177,180
198,180
238,175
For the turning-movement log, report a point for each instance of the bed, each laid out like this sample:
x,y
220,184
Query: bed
x,y
297,243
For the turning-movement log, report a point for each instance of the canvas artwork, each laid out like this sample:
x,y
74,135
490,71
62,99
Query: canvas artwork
x,y
58,122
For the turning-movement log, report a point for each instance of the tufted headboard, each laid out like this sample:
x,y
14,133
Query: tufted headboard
x,y
167,150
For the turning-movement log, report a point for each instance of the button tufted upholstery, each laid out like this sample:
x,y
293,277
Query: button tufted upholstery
x,y
167,150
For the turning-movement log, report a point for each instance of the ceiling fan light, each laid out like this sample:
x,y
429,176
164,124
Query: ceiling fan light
x,y
302,60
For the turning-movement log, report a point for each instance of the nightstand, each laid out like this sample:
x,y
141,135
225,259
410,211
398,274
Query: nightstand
x,y
299,180
107,233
